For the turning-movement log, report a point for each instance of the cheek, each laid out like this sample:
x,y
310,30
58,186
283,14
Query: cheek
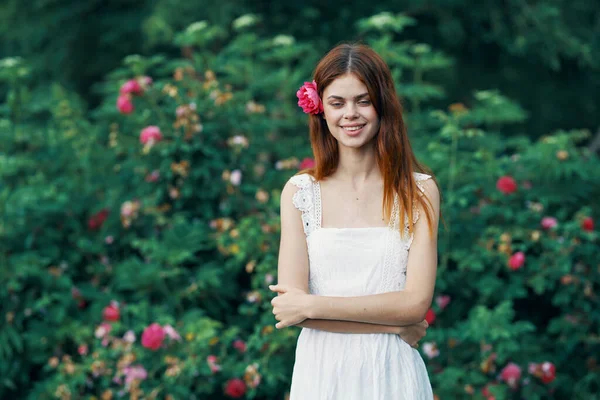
x,y
331,117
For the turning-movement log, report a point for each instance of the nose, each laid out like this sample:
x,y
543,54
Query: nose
x,y
351,111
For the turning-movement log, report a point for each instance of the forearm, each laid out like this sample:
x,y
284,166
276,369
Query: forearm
x,y
347,326
394,308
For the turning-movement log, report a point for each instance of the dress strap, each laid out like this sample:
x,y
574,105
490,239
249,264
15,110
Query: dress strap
x,y
304,200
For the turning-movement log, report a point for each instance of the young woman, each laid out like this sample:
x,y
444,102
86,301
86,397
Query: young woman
x,y
358,251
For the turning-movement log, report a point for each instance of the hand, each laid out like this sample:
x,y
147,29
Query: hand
x,y
412,334
290,307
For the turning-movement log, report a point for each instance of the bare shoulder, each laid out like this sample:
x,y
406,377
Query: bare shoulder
x,y
289,189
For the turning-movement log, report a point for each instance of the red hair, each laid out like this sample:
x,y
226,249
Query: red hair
x,y
394,154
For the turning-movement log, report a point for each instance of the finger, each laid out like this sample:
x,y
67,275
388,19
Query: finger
x,y
279,325
278,288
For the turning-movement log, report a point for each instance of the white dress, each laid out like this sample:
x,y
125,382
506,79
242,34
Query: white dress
x,y
354,262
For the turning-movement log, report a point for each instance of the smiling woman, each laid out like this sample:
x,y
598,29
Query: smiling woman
x,y
359,289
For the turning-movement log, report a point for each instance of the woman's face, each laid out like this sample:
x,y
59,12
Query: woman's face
x,y
349,112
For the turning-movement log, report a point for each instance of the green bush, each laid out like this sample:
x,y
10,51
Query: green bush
x,y
141,269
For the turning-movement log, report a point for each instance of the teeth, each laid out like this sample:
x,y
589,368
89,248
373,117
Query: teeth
x,y
353,128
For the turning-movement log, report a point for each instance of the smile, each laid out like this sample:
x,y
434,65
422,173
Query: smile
x,y
353,128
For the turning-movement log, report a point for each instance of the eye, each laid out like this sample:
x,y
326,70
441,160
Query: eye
x,y
364,102
336,104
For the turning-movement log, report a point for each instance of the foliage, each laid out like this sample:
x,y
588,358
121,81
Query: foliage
x,y
542,54
168,214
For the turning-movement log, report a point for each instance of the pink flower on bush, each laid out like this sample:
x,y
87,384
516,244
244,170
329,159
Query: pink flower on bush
x,y
236,177
150,134
549,222
124,104
587,224
251,376
442,301
516,261
212,364
235,388
134,372
171,332
430,316
511,374
307,163
506,185
153,176
111,312
431,350
131,87
129,336
239,345
102,330
153,336
145,81
308,98
82,349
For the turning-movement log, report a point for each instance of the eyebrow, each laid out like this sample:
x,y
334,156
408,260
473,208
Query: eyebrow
x,y
341,98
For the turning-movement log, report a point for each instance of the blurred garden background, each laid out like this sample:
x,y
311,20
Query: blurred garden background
x,y
144,146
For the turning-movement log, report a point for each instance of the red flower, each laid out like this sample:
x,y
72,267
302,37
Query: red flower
x,y
516,261
235,388
307,163
239,345
506,185
96,220
548,372
430,316
587,224
486,391
111,312
124,104
153,336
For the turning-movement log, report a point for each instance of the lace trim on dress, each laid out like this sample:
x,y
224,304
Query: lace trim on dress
x,y
419,178
303,201
396,252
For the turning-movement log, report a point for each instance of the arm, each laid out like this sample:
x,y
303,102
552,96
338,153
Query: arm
x,y
292,269
395,308
348,326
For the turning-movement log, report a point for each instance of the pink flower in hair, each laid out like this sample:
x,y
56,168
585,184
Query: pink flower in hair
x,y
308,98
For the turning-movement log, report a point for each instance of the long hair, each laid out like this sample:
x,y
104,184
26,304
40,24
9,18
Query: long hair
x,y
394,155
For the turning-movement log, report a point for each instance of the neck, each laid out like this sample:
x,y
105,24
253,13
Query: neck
x,y
358,166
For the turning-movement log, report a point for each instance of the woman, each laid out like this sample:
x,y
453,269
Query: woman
x,y
356,279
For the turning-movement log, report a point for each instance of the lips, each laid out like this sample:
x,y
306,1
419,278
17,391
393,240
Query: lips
x,y
353,130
